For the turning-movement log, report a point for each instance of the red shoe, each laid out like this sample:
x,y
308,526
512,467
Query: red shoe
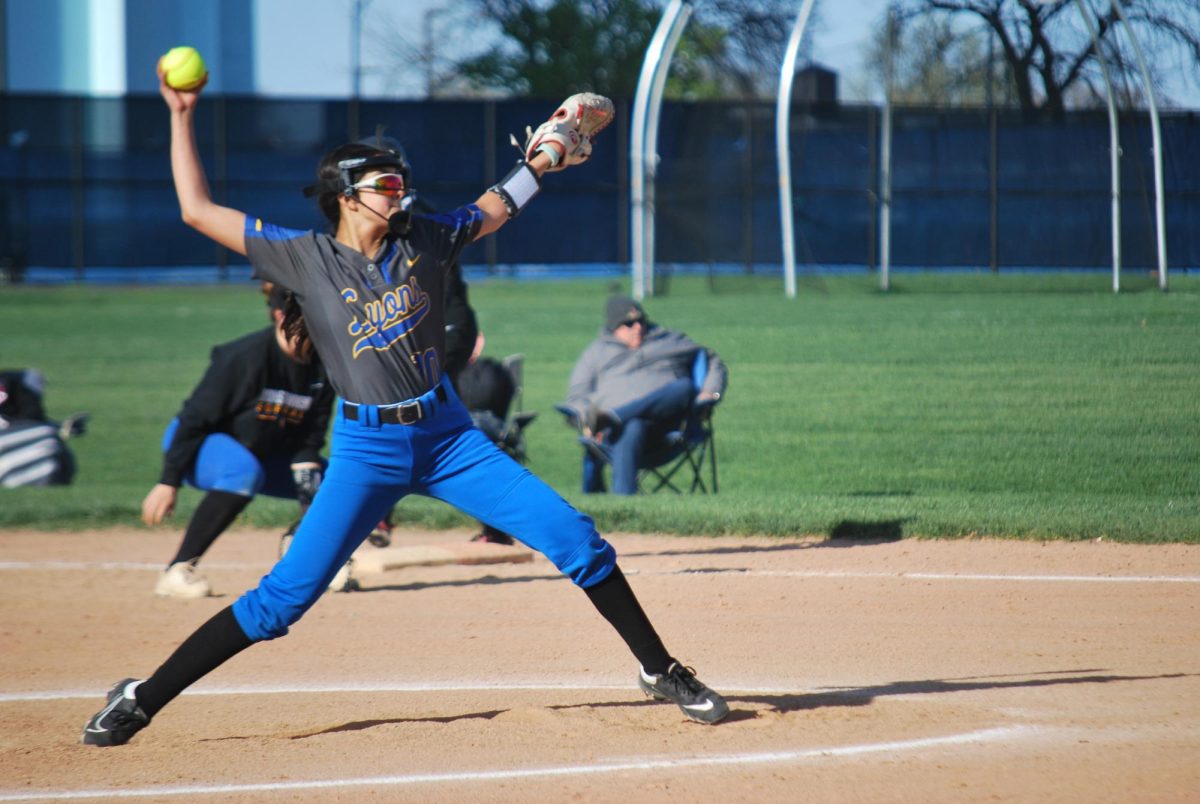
x,y
492,536
381,536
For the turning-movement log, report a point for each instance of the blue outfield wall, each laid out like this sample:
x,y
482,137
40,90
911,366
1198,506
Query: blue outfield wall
x,y
85,182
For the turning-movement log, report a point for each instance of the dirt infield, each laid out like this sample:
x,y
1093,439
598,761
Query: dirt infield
x,y
908,670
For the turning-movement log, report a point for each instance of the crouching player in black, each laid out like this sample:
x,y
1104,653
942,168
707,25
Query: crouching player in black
x,y
255,424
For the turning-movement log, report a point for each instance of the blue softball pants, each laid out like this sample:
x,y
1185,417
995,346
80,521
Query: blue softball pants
x,y
372,465
223,464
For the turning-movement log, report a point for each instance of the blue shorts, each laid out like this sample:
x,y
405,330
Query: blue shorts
x,y
223,464
373,465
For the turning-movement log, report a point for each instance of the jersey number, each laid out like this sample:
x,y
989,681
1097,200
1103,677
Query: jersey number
x,y
427,364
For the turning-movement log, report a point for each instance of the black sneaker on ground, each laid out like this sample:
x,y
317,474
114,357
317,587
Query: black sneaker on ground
x,y
117,722
680,686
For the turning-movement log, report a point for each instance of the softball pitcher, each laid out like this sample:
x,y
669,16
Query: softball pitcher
x,y
372,298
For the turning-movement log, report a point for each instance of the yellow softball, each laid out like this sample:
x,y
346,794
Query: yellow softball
x,y
183,68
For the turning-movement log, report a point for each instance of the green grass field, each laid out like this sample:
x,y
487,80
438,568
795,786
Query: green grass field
x,y
1029,406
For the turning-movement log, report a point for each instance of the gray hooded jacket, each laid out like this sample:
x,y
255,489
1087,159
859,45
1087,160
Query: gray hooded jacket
x,y
609,374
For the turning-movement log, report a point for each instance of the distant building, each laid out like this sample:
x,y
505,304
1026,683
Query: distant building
x,y
815,84
110,47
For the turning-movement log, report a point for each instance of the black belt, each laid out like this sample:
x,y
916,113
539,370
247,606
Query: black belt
x,y
409,412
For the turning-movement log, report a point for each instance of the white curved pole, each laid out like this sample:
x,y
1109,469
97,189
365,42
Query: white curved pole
x,y
1114,144
783,116
651,154
1160,214
1114,147
637,144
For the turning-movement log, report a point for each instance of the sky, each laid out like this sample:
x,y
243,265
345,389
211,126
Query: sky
x,y
306,46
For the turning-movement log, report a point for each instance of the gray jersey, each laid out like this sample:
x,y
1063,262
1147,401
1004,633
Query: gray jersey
x,y
378,323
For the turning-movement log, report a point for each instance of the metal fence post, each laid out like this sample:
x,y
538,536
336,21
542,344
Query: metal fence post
x,y
872,193
747,190
993,190
221,147
623,209
885,162
489,166
77,189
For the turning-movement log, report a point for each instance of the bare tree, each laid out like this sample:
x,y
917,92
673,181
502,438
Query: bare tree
x,y
754,34
1050,59
407,48
935,62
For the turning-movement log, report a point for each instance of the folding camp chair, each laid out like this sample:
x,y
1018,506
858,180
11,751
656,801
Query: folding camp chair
x,y
490,390
513,436
686,456
491,414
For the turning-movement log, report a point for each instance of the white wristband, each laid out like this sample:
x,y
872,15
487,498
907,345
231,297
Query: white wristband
x,y
517,189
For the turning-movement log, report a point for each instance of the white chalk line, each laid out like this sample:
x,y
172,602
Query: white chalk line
x,y
841,574
982,736
421,688
589,684
303,689
114,565
932,576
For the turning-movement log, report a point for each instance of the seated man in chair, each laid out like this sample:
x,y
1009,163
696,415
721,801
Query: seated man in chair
x,y
631,386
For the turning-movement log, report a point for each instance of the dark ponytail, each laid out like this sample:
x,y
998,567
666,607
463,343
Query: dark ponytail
x,y
295,328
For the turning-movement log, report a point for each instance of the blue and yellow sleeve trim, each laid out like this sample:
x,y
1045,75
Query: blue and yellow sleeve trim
x,y
256,229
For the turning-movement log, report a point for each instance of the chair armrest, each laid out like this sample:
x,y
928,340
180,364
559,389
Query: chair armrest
x,y
571,415
602,452
74,425
524,419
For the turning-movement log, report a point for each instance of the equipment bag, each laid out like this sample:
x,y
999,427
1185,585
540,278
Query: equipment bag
x,y
33,454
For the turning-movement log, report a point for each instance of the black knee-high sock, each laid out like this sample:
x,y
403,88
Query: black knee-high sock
x,y
615,601
213,515
206,649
